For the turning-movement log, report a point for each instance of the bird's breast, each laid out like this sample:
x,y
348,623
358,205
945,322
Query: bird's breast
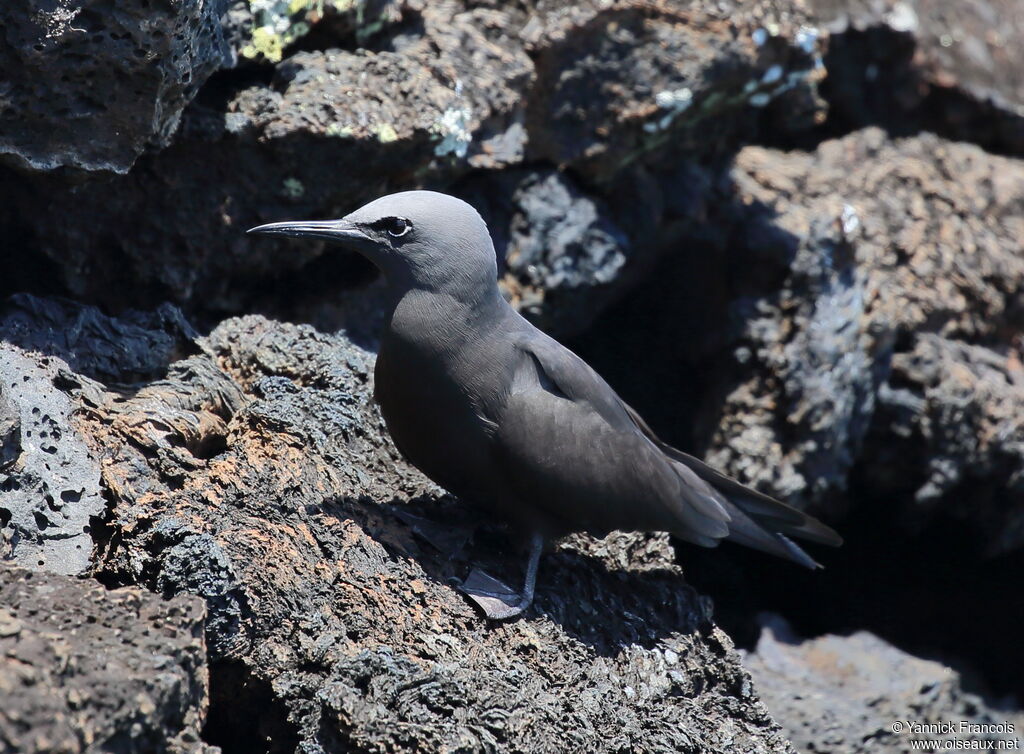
x,y
433,415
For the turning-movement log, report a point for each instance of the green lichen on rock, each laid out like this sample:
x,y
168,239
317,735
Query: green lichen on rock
x,y
279,23
293,188
453,131
385,133
339,131
682,109
276,24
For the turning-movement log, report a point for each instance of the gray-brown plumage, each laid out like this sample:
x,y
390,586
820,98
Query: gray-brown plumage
x,y
506,418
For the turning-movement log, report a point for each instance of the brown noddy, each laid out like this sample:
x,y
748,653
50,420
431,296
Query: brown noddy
x,y
505,417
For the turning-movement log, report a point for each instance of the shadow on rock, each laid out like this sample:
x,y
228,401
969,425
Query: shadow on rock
x,y
611,593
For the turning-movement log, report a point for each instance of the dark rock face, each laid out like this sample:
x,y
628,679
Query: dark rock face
x,y
50,481
912,65
134,346
617,80
114,80
876,241
565,255
50,351
250,162
951,415
87,669
860,694
842,330
560,240
824,267
464,91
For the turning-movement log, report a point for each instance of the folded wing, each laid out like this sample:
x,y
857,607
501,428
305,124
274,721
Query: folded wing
x,y
578,452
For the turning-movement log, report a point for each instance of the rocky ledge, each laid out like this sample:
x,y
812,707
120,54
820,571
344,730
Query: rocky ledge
x,y
256,473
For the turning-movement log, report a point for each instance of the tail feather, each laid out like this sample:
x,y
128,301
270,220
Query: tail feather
x,y
757,520
770,513
754,519
745,531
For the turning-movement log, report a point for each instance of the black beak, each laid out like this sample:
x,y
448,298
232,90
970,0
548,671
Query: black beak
x,y
339,231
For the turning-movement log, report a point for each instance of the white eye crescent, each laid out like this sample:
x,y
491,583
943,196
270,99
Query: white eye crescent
x,y
398,227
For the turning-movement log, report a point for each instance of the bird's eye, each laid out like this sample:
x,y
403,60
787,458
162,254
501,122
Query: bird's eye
x,y
397,227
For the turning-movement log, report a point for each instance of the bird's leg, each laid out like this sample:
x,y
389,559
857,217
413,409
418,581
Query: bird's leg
x,y
530,581
496,599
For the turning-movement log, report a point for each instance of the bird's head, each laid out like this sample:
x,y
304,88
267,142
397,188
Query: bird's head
x,y
418,239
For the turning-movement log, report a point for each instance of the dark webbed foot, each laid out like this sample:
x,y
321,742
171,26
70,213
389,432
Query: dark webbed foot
x,y
497,599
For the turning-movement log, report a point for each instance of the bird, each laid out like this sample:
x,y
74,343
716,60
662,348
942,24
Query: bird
x,y
508,419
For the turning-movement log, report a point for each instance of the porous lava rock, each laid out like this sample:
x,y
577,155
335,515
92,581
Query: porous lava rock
x,y
84,669
92,85
860,694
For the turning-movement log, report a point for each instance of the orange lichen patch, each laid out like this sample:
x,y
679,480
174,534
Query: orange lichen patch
x,y
251,536
265,558
257,453
304,531
325,570
352,533
194,518
349,594
415,612
225,467
211,495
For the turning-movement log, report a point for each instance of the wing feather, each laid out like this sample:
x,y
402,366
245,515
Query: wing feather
x,y
763,509
564,427
630,478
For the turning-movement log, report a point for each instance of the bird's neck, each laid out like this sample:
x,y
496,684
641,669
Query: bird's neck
x,y
443,321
